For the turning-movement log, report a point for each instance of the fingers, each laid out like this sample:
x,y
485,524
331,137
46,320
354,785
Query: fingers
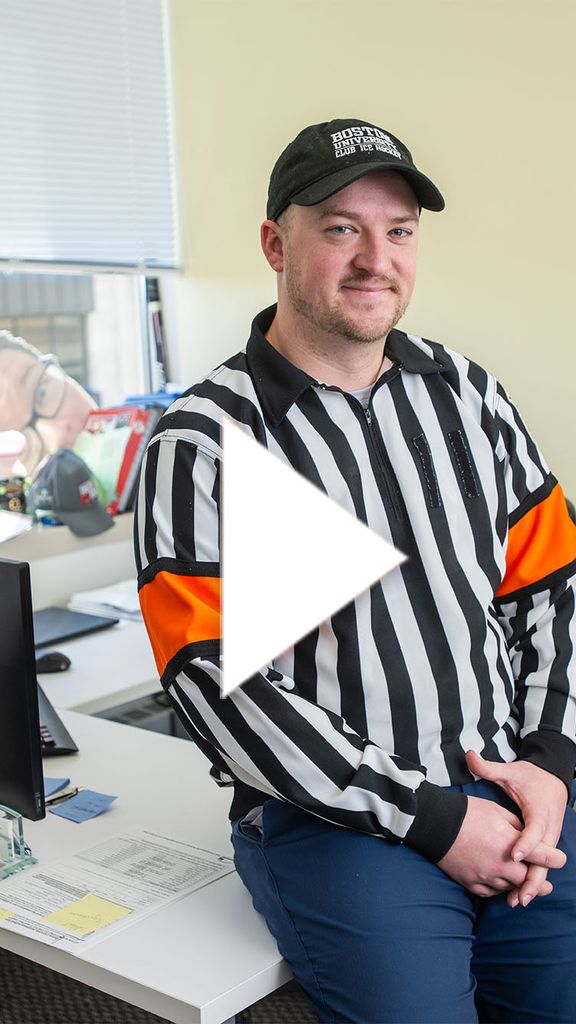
x,y
481,889
535,884
530,839
513,898
531,848
483,769
542,859
546,856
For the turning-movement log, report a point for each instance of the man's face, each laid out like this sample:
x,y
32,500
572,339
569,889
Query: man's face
x,y
349,263
34,391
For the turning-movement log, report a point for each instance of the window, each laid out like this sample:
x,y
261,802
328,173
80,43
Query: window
x,y
86,176
91,324
86,185
86,330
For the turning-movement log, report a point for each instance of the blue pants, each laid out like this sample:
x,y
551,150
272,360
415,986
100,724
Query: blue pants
x,y
375,933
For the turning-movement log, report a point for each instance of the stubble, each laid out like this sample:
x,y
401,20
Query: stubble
x,y
332,320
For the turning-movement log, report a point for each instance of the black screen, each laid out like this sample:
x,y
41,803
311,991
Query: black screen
x,y
21,777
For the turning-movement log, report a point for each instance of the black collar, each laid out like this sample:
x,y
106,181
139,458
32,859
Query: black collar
x,y
279,383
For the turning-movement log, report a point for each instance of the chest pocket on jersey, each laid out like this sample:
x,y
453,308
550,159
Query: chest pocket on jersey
x,y
462,460
464,463
423,449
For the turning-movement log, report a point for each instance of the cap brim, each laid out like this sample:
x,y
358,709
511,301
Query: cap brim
x,y
425,190
87,522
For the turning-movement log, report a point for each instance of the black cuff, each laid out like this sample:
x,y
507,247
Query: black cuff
x,y
552,751
438,820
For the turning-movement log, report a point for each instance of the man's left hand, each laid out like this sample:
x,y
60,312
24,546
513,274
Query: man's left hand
x,y
541,799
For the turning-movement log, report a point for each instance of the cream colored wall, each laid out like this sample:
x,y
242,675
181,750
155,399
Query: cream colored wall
x,y
483,94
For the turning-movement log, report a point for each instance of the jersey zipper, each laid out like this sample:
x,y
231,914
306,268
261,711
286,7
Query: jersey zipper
x,y
382,458
385,465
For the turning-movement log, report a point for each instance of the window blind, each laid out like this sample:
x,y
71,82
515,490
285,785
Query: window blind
x,y
86,173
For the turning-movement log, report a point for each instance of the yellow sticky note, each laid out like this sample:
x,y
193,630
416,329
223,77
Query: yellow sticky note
x,y
88,914
5,913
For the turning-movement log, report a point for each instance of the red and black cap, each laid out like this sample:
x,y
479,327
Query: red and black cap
x,y
326,157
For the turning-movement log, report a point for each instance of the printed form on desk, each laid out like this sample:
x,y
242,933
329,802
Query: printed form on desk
x,y
76,902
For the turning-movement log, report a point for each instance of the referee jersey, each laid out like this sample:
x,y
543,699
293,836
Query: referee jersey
x,y
467,644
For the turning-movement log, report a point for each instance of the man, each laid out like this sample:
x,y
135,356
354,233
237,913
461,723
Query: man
x,y
39,399
401,775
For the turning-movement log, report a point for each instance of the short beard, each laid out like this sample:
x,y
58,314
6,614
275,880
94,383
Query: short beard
x,y
336,323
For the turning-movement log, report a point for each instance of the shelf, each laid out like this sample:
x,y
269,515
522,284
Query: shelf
x,y
50,541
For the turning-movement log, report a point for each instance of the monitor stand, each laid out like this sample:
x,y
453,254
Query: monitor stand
x,y
14,854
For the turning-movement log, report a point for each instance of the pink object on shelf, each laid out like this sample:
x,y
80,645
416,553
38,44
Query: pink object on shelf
x,y
12,444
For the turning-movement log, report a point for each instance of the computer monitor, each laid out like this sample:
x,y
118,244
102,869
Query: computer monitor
x,y
21,776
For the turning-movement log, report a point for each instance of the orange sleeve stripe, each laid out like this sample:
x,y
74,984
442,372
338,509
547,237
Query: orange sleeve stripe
x,y
179,610
539,544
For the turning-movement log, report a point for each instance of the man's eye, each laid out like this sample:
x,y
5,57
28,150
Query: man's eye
x,y
42,392
400,232
340,229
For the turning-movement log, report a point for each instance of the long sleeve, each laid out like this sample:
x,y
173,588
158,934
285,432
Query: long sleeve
x,y
265,734
535,602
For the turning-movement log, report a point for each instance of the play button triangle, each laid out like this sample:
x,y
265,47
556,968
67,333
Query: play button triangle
x,y
291,556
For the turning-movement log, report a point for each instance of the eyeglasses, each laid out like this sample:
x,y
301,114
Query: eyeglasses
x,y
47,401
49,391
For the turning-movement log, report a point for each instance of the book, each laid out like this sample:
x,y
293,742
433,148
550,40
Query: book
x,y
119,600
112,444
165,398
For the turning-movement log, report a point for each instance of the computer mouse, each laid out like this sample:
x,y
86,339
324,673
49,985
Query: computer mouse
x,y
52,661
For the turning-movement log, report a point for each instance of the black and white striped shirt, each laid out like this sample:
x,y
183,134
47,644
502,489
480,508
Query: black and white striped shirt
x,y
468,644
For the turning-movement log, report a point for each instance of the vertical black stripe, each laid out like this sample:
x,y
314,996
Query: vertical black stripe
x,y
382,471
558,689
346,461
531,447
216,489
348,668
517,469
136,539
400,691
522,641
487,723
150,530
182,500
296,452
305,664
511,736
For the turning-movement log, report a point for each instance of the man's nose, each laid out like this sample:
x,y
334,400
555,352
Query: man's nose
x,y
373,255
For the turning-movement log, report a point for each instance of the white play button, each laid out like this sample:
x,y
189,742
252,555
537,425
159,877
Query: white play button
x,y
291,556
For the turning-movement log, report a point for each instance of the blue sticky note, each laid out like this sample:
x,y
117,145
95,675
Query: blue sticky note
x,y
86,804
52,786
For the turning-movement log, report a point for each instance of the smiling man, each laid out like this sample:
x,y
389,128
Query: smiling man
x,y
401,776
345,275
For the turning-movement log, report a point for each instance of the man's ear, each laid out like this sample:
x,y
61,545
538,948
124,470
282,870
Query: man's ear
x,y
271,239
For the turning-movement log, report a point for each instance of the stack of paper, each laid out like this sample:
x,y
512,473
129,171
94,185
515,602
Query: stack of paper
x,y
118,601
12,524
119,881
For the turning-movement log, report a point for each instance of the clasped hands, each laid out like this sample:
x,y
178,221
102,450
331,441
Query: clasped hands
x,y
495,851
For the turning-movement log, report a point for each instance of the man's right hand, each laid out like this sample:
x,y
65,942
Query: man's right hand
x,y
480,856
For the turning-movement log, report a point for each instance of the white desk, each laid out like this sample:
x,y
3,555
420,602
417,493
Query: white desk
x,y
198,961
108,668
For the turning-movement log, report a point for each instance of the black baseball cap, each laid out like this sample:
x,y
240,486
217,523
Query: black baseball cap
x,y
326,157
64,488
